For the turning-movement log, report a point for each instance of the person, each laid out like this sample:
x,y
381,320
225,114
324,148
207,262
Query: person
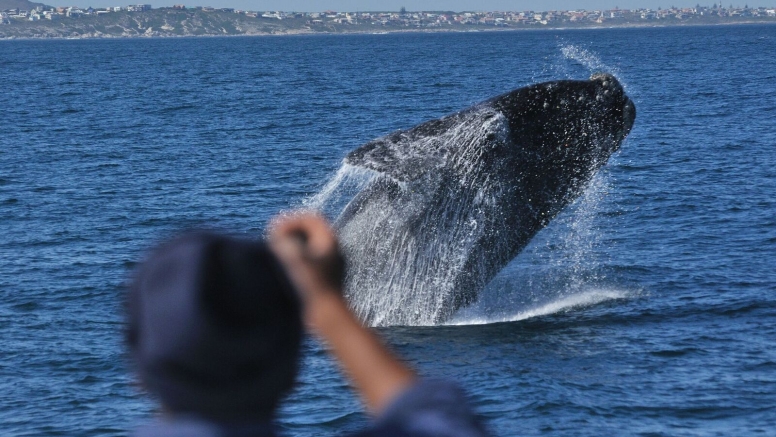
x,y
215,326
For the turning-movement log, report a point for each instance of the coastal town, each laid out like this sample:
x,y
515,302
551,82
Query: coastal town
x,y
404,18
144,20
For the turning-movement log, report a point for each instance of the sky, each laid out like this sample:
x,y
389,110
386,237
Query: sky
x,y
428,5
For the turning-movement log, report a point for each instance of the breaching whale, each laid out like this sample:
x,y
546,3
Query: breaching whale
x,y
450,202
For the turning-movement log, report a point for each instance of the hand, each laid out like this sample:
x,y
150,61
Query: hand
x,y
306,246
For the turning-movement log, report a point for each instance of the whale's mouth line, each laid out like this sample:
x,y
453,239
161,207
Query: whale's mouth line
x,y
628,116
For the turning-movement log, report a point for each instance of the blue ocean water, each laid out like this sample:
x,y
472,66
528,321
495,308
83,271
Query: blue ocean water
x,y
647,308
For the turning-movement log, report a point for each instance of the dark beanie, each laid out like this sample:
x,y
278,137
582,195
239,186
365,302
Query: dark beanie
x,y
214,327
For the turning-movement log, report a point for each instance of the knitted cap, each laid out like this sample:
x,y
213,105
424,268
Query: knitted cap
x,y
214,327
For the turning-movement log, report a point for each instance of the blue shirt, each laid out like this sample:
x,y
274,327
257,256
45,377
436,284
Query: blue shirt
x,y
428,408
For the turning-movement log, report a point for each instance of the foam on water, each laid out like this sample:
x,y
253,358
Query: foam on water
x,y
565,303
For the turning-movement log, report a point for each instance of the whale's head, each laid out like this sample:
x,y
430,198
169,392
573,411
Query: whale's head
x,y
615,104
569,117
564,131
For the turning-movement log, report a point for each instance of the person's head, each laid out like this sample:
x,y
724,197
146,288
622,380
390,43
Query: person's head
x,y
214,327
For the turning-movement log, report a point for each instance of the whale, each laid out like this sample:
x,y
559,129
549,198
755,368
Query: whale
x,y
445,205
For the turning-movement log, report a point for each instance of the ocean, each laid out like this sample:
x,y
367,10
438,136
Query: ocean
x,y
647,308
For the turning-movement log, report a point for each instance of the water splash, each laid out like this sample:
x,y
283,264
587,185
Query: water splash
x,y
340,189
563,260
410,277
412,282
574,56
562,304
586,58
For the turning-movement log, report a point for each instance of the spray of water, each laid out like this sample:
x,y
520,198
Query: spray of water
x,y
586,58
575,60
346,183
410,277
560,270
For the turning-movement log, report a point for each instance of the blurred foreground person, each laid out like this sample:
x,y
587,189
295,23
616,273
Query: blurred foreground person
x,y
215,327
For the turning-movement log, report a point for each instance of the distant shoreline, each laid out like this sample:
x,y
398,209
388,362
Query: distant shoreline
x,y
290,32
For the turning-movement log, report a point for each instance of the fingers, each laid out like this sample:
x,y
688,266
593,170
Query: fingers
x,y
306,245
305,234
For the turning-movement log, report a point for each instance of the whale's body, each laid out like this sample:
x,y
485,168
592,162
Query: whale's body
x,y
451,201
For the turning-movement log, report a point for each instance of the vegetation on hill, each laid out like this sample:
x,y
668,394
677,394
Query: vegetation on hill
x,y
20,4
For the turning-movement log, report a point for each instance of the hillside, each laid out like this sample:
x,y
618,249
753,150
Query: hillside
x,y
19,4
155,23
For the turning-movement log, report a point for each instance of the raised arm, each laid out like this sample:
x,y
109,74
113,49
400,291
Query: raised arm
x,y
307,247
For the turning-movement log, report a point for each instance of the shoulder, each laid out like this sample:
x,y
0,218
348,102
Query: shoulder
x,y
429,408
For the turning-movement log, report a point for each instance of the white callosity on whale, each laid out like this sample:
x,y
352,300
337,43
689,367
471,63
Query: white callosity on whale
x,y
431,214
